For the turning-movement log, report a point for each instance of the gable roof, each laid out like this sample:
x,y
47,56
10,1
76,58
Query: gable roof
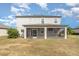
x,y
38,16
2,26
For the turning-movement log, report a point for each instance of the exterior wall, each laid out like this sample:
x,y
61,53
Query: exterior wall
x,y
3,32
37,20
19,29
28,21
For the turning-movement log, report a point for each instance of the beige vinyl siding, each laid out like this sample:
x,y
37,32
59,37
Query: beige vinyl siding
x,y
27,21
3,32
35,20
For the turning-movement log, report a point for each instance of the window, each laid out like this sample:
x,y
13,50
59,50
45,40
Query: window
x,y
50,29
42,21
55,21
22,30
42,31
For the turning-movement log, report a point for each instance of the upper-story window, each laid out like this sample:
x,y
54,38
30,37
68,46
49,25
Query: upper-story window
x,y
55,21
42,21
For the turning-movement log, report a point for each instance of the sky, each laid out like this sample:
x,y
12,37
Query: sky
x,y
68,11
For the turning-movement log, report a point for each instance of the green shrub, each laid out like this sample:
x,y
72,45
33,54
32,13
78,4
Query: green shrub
x,y
70,30
13,33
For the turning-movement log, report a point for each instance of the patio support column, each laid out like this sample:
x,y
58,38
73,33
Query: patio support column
x,y
65,32
25,34
45,32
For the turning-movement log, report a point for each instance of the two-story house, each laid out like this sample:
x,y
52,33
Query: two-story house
x,y
41,27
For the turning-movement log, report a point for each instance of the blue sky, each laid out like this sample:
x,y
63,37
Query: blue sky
x,y
68,11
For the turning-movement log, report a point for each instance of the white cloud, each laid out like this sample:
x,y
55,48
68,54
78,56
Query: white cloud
x,y
20,8
4,20
1,20
17,11
63,11
72,4
29,14
77,17
14,9
9,22
13,21
75,9
10,17
69,12
18,14
23,5
43,5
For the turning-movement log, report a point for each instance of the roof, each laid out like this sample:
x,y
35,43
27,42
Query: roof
x,y
76,30
38,16
44,25
2,26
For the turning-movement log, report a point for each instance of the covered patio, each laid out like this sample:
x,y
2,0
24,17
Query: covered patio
x,y
45,31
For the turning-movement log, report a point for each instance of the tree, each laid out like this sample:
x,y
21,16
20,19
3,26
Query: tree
x,y
13,33
70,30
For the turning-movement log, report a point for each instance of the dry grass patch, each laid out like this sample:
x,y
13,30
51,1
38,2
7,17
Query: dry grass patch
x,y
52,47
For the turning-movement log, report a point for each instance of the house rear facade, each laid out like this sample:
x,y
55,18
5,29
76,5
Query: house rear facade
x,y
40,27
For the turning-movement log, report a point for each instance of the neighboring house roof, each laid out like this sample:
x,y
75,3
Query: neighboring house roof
x,y
44,25
38,16
76,30
2,26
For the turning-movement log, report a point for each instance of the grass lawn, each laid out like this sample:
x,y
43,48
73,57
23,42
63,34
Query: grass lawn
x,y
52,47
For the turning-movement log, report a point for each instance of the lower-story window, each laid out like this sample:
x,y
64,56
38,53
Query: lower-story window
x,y
50,29
42,31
